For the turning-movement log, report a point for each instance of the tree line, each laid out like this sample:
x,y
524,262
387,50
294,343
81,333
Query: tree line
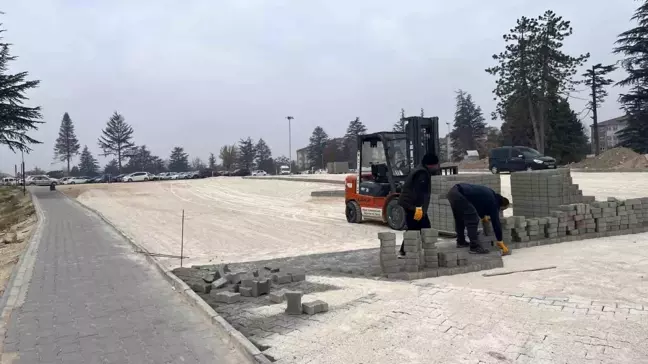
x,y
535,80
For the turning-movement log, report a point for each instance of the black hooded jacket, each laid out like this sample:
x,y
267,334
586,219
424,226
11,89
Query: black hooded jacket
x,y
417,189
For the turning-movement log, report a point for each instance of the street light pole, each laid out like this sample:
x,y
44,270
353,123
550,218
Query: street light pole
x,y
289,144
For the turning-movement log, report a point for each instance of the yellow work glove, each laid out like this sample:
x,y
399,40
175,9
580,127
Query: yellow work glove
x,y
418,213
503,247
486,218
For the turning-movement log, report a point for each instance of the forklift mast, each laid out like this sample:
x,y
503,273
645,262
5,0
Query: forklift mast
x,y
422,137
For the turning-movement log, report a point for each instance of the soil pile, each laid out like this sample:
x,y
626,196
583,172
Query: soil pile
x,y
615,158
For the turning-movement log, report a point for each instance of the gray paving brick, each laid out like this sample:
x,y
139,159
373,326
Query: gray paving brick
x,y
91,299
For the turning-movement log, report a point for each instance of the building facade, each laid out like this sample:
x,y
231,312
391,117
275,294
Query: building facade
x,y
607,131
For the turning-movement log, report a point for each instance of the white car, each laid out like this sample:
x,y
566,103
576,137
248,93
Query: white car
x,y
77,180
138,177
175,175
259,173
40,181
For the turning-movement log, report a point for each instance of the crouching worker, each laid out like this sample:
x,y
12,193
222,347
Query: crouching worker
x,y
470,203
415,195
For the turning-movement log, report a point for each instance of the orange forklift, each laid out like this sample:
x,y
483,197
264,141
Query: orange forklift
x,y
384,160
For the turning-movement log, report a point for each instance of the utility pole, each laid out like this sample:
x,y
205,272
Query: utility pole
x,y
289,144
448,143
594,106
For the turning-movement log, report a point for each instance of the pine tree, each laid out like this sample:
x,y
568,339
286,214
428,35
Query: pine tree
x,y
493,140
67,145
355,128
179,160
532,67
15,118
469,126
74,172
111,168
142,160
246,153
596,80
212,161
117,139
263,158
88,165
399,126
633,44
229,155
316,147
566,139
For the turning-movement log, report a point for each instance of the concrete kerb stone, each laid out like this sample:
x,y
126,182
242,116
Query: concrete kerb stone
x,y
16,288
234,337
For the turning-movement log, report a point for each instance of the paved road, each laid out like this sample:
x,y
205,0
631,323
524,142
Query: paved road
x,y
91,299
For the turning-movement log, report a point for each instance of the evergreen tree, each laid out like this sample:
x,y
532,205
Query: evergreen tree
x,y
142,160
179,160
246,154
74,172
316,146
111,168
263,157
197,164
15,118
117,139
399,126
632,44
469,126
212,161
533,67
493,140
596,80
566,139
67,145
355,128
88,165
229,155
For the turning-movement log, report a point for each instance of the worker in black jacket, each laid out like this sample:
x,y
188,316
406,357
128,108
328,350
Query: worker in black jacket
x,y
470,203
415,194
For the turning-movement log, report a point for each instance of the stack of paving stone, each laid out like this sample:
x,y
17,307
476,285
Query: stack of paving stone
x,y
439,209
430,254
412,245
519,232
451,259
388,259
537,193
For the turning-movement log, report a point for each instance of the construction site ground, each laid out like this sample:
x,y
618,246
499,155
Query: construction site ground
x,y
592,308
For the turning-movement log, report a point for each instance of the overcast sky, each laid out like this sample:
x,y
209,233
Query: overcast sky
x,y
201,74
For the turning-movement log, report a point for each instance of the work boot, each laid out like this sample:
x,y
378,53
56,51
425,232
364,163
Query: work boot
x,y
477,249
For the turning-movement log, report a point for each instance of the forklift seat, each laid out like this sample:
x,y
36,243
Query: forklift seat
x,y
379,173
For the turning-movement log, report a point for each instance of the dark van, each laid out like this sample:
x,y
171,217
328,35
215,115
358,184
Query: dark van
x,y
513,159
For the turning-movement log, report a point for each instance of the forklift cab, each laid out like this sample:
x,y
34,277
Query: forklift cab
x,y
384,161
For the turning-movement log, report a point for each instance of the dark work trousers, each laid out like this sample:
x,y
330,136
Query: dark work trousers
x,y
465,217
412,224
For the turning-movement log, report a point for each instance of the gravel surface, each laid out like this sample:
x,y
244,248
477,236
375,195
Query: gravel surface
x,y
593,308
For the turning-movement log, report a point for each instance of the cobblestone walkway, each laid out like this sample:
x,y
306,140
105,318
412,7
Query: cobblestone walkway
x,y
91,299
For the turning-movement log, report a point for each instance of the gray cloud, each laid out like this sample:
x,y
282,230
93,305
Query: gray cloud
x,y
206,73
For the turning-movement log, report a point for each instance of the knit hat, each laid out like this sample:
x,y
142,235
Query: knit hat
x,y
429,159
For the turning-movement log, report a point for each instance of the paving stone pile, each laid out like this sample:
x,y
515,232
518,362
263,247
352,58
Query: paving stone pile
x,y
537,193
424,259
439,209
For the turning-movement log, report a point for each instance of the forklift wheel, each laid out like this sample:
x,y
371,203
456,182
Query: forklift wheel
x,y
353,212
395,215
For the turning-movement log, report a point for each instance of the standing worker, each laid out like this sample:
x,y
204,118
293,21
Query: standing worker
x,y
470,203
415,194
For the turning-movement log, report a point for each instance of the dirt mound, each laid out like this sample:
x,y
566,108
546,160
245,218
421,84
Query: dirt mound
x,y
614,158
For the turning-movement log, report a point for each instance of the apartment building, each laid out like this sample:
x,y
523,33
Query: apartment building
x,y
607,131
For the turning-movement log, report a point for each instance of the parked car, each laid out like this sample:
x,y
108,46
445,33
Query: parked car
x,y
193,175
78,180
240,172
259,173
9,181
41,181
516,158
162,176
104,178
137,177
63,180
